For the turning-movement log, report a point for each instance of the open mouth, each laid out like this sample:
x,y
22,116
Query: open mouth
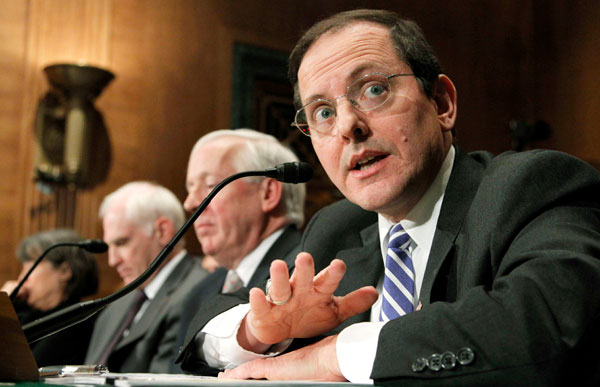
x,y
368,162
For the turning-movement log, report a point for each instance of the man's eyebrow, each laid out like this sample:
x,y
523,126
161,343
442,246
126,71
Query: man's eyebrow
x,y
313,98
360,71
354,74
120,240
201,176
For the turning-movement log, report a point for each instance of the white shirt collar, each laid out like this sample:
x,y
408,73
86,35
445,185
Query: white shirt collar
x,y
420,223
157,282
248,265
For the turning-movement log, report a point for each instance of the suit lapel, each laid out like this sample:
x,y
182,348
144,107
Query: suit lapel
x,y
364,267
209,287
462,186
159,304
215,285
108,323
287,241
363,264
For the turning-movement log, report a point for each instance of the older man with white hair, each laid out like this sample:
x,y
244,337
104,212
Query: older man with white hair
x,y
250,223
138,332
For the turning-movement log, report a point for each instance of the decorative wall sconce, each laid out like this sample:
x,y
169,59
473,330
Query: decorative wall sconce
x,y
67,123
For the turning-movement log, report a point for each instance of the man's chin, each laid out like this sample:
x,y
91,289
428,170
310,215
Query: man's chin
x,y
367,202
208,248
374,197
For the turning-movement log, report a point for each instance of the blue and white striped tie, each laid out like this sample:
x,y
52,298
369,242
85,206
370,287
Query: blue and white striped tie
x,y
399,280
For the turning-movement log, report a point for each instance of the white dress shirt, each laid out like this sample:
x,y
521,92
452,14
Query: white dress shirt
x,y
248,265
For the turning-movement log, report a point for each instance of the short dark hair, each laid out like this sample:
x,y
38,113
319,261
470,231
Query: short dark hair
x,y
407,37
84,270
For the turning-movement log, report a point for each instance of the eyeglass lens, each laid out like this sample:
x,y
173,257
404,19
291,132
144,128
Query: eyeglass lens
x,y
366,93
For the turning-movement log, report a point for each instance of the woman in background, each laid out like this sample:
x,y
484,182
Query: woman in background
x,y
62,278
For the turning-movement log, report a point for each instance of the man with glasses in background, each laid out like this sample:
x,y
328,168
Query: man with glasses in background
x,y
449,268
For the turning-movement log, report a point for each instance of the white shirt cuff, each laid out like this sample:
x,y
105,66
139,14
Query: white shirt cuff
x,y
218,340
358,338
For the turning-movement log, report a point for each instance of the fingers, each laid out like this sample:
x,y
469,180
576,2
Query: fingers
x,y
356,302
304,273
258,302
255,369
303,279
280,281
328,279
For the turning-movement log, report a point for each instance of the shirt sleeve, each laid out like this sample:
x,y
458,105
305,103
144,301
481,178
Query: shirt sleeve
x,y
217,342
358,338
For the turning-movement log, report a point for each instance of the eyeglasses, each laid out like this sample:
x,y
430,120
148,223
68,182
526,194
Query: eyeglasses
x,y
365,93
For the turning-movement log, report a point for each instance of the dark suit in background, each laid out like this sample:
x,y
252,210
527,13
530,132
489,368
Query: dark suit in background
x,y
65,347
510,279
151,343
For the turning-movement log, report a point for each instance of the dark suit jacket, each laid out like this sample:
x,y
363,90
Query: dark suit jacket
x,y
208,294
510,281
151,343
65,347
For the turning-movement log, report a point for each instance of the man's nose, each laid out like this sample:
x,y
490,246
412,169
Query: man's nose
x,y
113,256
191,202
349,121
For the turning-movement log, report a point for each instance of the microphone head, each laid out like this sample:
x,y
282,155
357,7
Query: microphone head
x,y
95,246
294,172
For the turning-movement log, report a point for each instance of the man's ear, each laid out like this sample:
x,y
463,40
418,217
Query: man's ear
x,y
271,191
445,100
164,229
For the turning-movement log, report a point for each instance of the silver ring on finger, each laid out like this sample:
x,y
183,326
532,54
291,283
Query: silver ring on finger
x,y
271,300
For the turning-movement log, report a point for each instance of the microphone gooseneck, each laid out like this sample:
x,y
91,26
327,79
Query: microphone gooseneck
x,y
91,245
292,172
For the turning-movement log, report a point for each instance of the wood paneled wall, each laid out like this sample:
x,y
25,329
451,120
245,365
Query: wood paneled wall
x,y
173,64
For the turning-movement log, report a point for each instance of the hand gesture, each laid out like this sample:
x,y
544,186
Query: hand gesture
x,y
311,308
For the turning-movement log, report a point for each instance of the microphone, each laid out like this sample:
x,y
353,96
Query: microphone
x,y
292,172
95,246
296,172
91,245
